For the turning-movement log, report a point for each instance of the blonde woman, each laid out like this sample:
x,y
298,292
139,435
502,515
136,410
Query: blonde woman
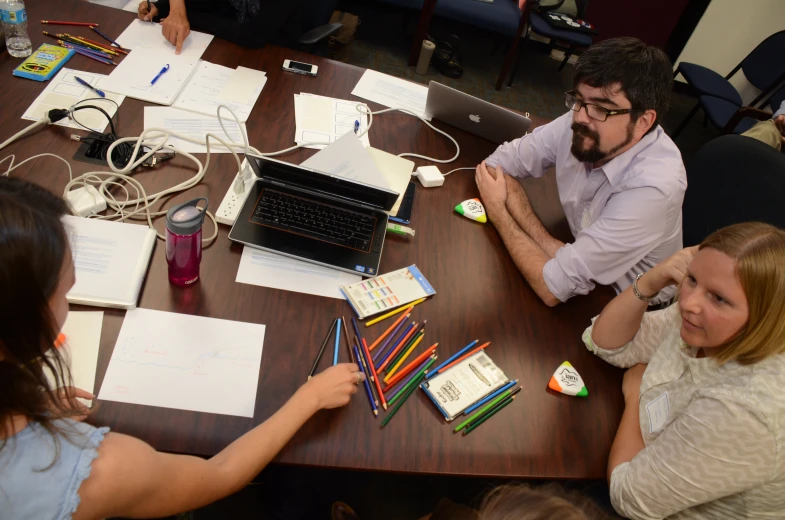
x,y
703,430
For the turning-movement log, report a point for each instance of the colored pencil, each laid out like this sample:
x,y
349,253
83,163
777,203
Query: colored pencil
x,y
411,366
409,392
484,409
395,388
348,342
367,371
103,45
374,375
321,350
79,41
414,335
398,346
400,361
63,37
89,55
489,397
393,313
413,383
386,332
453,358
473,352
394,344
112,50
356,330
491,413
367,387
380,351
80,24
105,37
337,342
85,49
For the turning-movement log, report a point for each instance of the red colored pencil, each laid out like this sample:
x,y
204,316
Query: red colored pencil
x,y
411,366
380,338
80,24
481,347
373,372
397,349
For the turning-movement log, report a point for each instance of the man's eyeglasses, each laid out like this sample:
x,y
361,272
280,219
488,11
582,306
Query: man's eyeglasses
x,y
593,111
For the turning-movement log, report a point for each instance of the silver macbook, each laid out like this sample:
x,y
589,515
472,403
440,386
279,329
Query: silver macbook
x,y
474,115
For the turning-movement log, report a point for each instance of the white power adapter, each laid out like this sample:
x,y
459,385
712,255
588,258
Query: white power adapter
x,y
86,201
430,176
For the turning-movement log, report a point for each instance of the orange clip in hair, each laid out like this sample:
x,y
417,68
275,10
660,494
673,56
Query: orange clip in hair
x,y
60,341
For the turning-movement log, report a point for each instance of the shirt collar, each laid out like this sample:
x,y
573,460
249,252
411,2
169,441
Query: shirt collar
x,y
617,167
705,369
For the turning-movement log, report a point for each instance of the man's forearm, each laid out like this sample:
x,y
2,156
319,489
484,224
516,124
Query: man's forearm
x,y
177,6
521,211
527,255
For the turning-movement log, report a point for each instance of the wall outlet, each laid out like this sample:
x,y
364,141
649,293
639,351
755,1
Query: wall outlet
x,y
233,202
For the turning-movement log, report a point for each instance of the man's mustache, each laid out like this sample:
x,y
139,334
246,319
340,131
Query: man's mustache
x,y
585,131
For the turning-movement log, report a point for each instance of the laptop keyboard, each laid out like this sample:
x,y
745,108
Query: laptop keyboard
x,y
314,219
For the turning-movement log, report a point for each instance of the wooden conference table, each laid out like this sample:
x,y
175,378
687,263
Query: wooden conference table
x,y
480,294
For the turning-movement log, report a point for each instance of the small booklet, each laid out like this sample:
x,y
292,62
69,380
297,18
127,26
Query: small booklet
x,y
44,62
463,385
387,291
110,260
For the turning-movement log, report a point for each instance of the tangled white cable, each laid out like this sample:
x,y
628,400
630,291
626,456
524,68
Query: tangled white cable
x,y
140,206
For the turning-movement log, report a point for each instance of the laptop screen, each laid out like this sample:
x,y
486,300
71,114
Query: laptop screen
x,y
297,176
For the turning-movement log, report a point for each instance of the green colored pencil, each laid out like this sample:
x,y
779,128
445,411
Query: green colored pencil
x,y
417,380
401,352
474,425
411,383
483,410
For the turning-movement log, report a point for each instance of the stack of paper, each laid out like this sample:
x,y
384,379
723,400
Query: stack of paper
x,y
392,92
320,119
194,126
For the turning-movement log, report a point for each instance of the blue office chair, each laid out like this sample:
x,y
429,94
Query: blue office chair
x,y
764,68
735,119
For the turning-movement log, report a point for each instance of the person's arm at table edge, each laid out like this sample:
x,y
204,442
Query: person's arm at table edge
x,y
528,221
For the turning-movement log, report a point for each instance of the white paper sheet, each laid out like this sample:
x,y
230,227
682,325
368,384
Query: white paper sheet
x,y
110,259
323,120
145,35
196,126
397,171
82,331
185,362
392,92
63,91
266,269
348,158
204,91
133,76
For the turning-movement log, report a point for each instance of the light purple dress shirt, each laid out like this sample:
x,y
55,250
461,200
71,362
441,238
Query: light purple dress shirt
x,y
625,215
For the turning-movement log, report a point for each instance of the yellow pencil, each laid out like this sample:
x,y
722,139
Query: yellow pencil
x,y
393,313
391,372
88,44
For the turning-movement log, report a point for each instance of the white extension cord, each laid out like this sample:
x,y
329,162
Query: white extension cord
x,y
140,206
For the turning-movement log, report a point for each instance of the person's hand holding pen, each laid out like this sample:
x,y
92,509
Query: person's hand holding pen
x,y
147,11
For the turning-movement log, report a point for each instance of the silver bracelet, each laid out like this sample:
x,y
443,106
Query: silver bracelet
x,y
637,292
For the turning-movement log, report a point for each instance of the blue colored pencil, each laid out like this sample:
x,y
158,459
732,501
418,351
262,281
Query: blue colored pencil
x,y
392,390
105,37
387,342
451,359
85,48
395,345
488,398
356,330
337,341
367,384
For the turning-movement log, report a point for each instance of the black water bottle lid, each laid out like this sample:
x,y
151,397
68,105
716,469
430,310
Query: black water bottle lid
x,y
187,218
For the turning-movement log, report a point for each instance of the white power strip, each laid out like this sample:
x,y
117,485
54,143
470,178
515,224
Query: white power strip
x,y
233,202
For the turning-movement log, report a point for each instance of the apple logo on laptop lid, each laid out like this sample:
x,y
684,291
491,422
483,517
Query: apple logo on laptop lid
x,y
474,118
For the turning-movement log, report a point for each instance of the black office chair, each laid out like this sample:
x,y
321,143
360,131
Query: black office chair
x,y
733,179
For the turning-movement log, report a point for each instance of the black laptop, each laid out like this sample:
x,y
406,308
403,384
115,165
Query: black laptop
x,y
313,216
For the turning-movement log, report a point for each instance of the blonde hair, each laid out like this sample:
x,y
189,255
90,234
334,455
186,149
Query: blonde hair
x,y
521,502
759,252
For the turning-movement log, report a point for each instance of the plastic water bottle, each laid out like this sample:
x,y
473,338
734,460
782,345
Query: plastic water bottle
x,y
14,17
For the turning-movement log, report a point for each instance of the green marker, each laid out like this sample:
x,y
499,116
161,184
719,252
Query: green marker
x,y
399,229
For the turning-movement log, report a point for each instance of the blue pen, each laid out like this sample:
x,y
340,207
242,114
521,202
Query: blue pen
x,y
451,359
356,126
160,74
86,84
488,398
337,341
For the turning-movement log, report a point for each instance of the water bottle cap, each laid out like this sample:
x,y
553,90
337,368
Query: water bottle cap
x,y
187,218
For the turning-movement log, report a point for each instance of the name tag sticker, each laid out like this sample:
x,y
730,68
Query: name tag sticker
x,y
658,411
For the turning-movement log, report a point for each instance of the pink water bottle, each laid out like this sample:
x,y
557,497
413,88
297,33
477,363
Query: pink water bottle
x,y
184,241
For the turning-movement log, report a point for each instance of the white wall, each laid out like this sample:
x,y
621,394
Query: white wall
x,y
728,31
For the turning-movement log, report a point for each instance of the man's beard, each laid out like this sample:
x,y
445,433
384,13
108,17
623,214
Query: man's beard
x,y
594,154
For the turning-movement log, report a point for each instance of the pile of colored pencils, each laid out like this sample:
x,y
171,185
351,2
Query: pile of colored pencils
x,y
490,406
95,50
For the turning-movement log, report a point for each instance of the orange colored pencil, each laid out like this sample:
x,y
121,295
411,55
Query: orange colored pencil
x,y
391,327
411,366
481,347
398,348
373,372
